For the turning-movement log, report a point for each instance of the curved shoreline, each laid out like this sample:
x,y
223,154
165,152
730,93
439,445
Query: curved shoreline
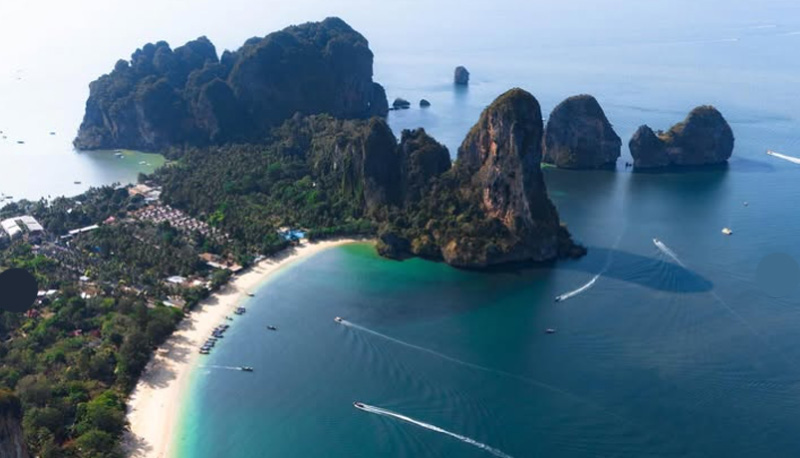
x,y
154,404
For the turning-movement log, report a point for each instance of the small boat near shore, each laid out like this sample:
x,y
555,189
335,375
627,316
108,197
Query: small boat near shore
x,y
727,231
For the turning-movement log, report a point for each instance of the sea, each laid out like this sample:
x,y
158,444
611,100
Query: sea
x,y
670,339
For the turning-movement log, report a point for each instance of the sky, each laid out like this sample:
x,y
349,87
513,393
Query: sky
x,y
52,49
94,33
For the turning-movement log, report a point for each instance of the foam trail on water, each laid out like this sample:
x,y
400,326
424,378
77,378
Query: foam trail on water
x,y
591,282
574,293
212,366
350,324
784,157
520,378
665,249
428,426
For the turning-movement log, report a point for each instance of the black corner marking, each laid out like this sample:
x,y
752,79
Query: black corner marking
x,y
18,290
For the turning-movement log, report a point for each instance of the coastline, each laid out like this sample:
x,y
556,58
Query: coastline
x,y
153,407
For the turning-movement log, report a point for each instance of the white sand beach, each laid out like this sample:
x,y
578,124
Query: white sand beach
x,y
154,405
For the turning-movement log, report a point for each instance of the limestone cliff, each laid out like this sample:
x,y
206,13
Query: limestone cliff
x,y
12,444
461,76
492,206
189,96
703,138
579,136
356,158
424,159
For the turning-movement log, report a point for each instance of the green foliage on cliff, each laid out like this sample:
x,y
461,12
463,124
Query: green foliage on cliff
x,y
188,96
314,173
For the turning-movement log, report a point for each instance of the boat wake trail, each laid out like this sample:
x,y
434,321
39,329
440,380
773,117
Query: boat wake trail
x,y
784,157
510,375
428,426
665,249
591,282
574,293
212,366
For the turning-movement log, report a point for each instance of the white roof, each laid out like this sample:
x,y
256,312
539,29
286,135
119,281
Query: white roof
x,y
31,223
177,279
11,227
83,229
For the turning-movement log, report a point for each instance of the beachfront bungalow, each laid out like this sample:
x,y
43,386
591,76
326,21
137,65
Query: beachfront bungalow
x,y
291,235
218,262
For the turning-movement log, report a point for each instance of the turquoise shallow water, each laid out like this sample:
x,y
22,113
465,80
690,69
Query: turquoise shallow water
x,y
659,356
652,360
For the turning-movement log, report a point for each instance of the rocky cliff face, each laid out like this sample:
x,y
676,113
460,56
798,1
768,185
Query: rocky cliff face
x,y
491,207
461,76
358,158
189,96
499,164
579,136
424,159
12,444
703,138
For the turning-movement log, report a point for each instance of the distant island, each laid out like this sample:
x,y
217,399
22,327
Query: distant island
x,y
703,138
579,136
189,96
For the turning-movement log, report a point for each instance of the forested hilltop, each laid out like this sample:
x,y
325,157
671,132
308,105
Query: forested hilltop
x,y
190,96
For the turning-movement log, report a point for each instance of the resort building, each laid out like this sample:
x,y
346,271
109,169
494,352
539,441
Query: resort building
x,y
21,225
82,230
